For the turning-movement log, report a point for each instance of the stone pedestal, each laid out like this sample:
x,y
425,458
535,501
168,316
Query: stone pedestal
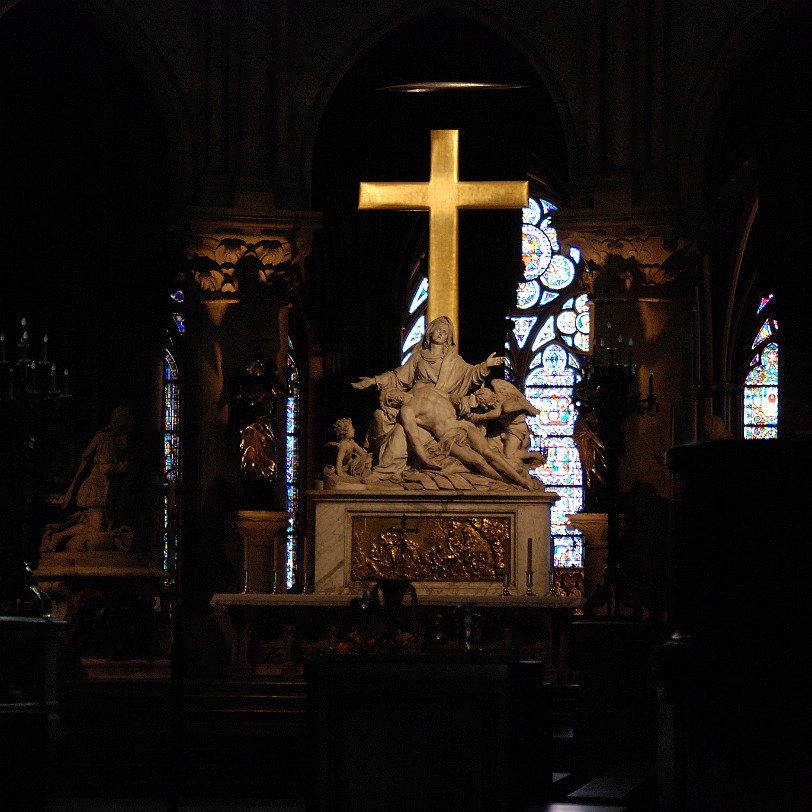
x,y
595,527
262,537
115,603
443,541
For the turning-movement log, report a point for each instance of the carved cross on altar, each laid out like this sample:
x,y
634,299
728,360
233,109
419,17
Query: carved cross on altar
x,y
443,196
401,533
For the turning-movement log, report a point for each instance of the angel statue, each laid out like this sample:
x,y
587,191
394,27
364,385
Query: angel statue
x,y
254,391
503,412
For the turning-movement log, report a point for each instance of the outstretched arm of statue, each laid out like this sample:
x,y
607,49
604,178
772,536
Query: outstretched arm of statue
x,y
494,360
363,383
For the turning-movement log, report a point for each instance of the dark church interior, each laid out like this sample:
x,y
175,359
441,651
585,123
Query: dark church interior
x,y
179,206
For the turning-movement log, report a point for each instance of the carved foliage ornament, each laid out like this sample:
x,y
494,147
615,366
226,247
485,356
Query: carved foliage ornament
x,y
228,265
637,264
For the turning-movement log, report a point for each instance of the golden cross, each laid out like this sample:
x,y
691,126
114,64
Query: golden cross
x,y
443,196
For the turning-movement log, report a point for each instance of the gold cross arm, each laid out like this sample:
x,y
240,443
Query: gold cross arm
x,y
443,196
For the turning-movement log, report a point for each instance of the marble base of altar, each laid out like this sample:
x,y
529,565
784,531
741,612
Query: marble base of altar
x,y
444,542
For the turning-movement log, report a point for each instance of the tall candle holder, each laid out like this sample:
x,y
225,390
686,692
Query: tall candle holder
x,y
529,591
30,408
609,391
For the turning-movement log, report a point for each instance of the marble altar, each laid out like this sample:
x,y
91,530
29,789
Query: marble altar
x,y
362,535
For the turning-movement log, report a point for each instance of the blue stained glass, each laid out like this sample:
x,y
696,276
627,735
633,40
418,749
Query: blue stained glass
x,y
763,334
177,295
527,294
531,213
559,273
550,233
546,333
549,361
536,251
292,469
555,358
179,322
764,302
566,321
766,374
522,327
415,334
171,456
420,295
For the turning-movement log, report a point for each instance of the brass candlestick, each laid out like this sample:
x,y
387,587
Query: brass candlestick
x,y
506,584
529,593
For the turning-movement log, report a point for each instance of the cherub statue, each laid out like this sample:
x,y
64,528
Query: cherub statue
x,y
502,411
351,459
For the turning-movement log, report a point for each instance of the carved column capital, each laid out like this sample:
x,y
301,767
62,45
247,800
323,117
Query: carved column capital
x,y
237,256
625,260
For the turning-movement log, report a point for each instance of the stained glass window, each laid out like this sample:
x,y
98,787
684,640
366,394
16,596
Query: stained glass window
x,y
172,460
760,396
292,469
545,349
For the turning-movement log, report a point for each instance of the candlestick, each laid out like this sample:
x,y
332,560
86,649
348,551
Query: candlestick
x,y
277,568
245,587
530,554
609,334
53,378
65,392
630,350
44,348
529,593
24,345
651,380
506,583
620,349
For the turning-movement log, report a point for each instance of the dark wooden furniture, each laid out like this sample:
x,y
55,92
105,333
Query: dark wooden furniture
x,y
435,732
29,712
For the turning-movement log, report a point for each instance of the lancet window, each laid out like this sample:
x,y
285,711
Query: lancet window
x,y
760,395
172,459
292,468
545,352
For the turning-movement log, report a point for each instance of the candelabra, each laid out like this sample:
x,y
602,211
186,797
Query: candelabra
x,y
31,375
608,393
29,390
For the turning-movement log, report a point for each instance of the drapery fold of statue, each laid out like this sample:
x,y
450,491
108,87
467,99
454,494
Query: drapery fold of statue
x,y
439,427
93,519
254,391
